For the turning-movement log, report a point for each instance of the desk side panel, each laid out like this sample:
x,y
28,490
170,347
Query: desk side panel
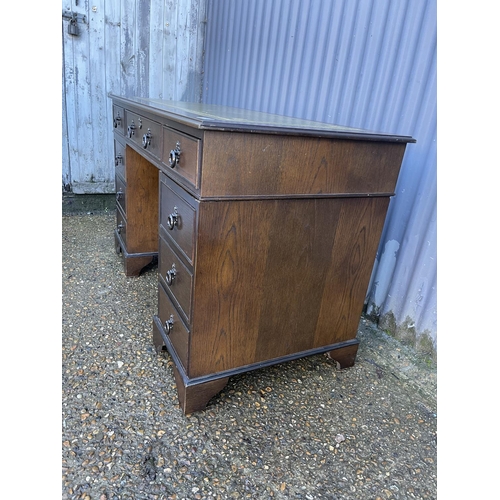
x,y
142,203
276,277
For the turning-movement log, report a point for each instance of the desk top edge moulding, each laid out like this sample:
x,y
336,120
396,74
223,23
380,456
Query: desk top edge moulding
x,y
220,117
264,229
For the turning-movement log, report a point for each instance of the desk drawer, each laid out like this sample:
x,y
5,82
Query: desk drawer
x,y
144,132
121,224
176,277
118,119
181,153
175,329
120,159
178,216
121,192
265,165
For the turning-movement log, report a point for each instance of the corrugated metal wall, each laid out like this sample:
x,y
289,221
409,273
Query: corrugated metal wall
x,y
128,47
360,63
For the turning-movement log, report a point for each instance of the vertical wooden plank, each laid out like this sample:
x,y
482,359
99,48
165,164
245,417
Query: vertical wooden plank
x,y
99,171
112,31
69,108
184,26
198,16
127,49
66,165
82,130
170,52
143,49
156,41
181,46
81,150
112,38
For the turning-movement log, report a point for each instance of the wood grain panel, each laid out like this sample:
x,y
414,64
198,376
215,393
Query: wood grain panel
x,y
142,203
229,283
275,277
357,236
246,164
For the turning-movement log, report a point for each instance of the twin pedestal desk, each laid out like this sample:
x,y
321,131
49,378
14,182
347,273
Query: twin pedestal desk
x,y
265,228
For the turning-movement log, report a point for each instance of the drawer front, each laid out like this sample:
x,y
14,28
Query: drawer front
x,y
121,224
178,216
265,165
181,153
121,192
120,159
176,330
118,119
144,132
176,277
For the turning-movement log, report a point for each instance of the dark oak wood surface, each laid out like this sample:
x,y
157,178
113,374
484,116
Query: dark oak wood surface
x,y
142,204
261,165
274,277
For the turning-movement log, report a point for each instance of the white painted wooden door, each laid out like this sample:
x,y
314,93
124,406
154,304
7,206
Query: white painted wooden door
x,y
87,77
148,48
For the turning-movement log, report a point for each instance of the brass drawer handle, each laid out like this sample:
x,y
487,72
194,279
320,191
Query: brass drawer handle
x,y
170,276
173,219
169,324
118,159
131,129
119,195
174,156
116,121
146,139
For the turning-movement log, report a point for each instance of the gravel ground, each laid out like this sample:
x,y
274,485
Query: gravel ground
x,y
301,430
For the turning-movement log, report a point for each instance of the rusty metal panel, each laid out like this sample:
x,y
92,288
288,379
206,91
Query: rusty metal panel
x,y
360,63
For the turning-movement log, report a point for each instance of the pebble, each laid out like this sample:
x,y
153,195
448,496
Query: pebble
x,y
302,429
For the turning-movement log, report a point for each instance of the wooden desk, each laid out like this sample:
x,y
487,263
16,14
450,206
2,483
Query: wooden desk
x,y
265,228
